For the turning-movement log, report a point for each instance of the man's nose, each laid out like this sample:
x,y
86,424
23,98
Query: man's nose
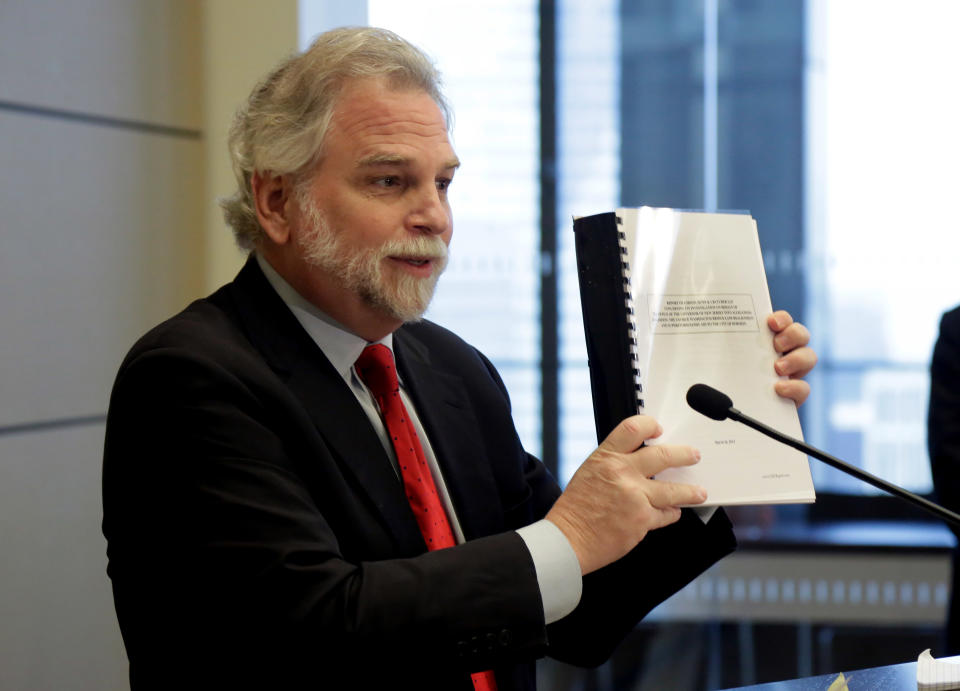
x,y
431,214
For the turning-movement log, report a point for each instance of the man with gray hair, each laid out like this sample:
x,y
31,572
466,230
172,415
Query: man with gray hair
x,y
306,485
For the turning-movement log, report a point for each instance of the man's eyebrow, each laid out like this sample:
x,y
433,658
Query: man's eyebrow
x,y
397,160
382,159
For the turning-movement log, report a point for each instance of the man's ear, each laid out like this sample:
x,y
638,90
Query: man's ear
x,y
273,200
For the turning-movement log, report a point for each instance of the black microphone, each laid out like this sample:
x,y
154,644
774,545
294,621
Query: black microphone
x,y
718,406
706,400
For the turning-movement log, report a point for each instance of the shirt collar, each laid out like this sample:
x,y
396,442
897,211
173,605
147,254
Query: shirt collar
x,y
341,346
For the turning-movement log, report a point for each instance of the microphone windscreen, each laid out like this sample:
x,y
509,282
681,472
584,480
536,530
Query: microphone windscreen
x,y
706,400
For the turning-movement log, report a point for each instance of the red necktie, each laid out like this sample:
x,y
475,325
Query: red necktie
x,y
376,369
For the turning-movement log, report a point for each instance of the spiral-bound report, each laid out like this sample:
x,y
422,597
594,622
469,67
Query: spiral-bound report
x,y
674,298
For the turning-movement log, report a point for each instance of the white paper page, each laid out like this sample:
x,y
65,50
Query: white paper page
x,y
701,303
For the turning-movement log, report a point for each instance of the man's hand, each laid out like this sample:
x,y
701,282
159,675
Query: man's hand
x,y
791,339
611,501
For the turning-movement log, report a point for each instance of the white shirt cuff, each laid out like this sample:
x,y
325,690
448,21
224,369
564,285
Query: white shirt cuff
x,y
557,569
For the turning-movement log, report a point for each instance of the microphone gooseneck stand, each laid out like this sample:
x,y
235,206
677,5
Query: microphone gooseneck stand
x,y
718,406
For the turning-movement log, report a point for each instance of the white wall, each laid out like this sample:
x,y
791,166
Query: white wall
x,y
242,40
105,199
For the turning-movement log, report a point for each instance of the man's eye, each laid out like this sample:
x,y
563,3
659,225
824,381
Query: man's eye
x,y
443,184
388,181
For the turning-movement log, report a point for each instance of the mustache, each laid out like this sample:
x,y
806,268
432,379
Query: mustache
x,y
424,247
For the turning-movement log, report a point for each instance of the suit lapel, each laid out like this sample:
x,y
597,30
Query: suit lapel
x,y
455,435
328,401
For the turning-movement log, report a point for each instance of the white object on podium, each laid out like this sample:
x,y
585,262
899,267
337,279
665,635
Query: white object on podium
x,y
937,675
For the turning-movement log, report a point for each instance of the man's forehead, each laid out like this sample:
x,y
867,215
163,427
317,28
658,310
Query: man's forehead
x,y
375,124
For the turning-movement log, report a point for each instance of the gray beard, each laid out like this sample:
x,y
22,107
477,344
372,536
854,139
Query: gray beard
x,y
399,295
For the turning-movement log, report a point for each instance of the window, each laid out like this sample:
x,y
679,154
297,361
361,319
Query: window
x,y
835,125
588,181
883,143
704,111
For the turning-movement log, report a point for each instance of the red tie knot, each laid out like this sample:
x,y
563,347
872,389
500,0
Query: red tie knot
x,y
376,369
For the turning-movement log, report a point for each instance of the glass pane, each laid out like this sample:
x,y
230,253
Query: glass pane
x,y
588,172
884,142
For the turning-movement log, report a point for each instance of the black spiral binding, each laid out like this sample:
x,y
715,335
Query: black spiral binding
x,y
606,305
631,315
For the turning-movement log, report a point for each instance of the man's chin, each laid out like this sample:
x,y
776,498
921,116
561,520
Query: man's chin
x,y
404,310
407,315
398,295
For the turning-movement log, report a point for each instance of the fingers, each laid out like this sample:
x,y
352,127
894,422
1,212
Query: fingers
x,y
779,320
668,495
627,440
794,389
792,339
653,460
788,334
612,502
631,433
797,363
626,444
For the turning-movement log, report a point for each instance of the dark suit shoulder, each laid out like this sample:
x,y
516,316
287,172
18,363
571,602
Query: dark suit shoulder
x,y
950,324
943,412
944,367
201,323
436,337
445,350
244,328
953,315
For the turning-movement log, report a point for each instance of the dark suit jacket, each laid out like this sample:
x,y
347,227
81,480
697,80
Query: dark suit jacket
x,y
943,440
258,536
